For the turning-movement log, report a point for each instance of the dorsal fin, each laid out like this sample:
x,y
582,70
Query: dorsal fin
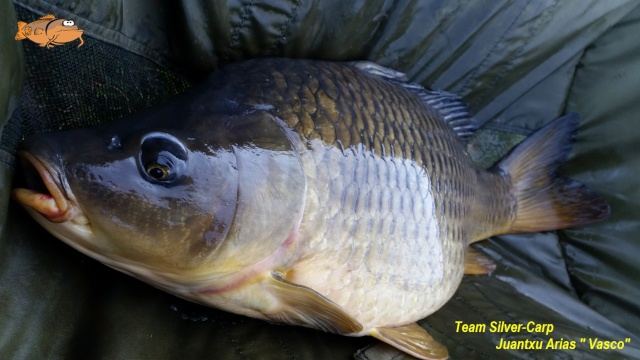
x,y
451,107
46,18
453,110
372,68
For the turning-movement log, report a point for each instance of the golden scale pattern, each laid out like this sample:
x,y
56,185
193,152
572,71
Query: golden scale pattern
x,y
400,140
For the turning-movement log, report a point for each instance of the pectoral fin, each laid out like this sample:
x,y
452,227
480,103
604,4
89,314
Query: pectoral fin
x,y
475,263
306,307
412,339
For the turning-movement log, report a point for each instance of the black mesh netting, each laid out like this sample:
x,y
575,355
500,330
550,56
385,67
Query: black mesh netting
x,y
69,87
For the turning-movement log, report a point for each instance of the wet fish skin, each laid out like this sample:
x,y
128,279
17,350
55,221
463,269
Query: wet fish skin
x,y
380,166
177,227
320,194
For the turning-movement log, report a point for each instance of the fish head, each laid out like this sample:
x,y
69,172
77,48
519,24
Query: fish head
x,y
60,25
180,197
64,30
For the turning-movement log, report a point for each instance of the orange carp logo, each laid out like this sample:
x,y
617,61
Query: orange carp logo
x,y
48,31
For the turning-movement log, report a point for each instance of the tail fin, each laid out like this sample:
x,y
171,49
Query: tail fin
x,y
19,34
545,201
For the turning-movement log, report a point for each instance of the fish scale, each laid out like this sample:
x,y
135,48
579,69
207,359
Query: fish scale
x,y
442,145
332,125
392,118
336,196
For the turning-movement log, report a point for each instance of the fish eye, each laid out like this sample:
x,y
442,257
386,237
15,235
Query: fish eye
x,y
162,159
158,171
68,23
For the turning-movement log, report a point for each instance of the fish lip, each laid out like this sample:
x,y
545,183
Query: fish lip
x,y
54,184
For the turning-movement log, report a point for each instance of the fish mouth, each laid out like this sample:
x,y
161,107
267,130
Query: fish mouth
x,y
44,191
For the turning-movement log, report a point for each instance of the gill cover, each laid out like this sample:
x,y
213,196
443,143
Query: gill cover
x,y
271,192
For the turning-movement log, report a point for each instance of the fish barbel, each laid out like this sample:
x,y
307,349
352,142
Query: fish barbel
x,y
337,196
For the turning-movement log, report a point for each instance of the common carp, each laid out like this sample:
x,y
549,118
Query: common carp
x,y
336,196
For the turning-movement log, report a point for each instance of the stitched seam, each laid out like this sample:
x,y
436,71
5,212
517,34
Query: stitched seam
x,y
534,30
471,78
570,272
362,353
235,31
284,347
232,341
285,28
10,163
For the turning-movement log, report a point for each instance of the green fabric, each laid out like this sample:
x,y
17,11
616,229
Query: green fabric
x,y
518,64
12,76
604,261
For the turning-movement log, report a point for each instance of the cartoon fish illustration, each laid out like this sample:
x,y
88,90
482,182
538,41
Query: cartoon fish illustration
x,y
48,31
337,196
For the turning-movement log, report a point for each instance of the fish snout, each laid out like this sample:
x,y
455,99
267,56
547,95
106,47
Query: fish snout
x,y
41,188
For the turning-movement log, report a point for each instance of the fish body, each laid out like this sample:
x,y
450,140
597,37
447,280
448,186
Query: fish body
x,y
49,31
336,196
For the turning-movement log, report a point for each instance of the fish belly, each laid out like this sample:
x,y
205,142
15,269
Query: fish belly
x,y
371,239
